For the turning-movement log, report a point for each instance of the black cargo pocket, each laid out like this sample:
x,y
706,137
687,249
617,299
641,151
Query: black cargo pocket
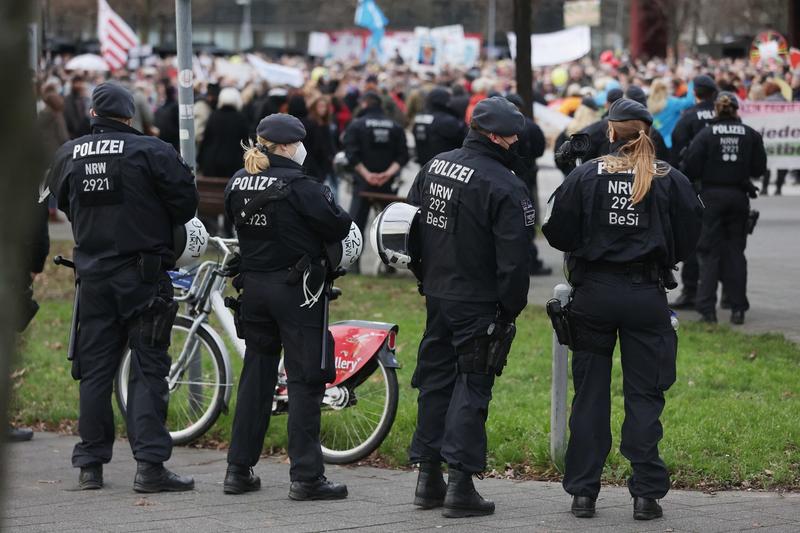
x,y
667,361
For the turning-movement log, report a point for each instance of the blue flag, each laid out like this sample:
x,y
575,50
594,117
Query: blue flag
x,y
370,16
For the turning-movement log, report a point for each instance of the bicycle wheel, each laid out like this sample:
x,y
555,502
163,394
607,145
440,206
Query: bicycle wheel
x,y
349,434
197,394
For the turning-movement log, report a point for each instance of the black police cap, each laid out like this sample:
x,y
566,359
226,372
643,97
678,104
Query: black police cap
x,y
281,128
498,115
704,81
614,95
516,100
734,100
627,109
635,93
113,100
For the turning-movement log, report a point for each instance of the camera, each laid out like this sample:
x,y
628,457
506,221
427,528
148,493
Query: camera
x,y
574,148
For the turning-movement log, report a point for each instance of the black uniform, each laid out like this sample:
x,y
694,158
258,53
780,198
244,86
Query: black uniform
x,y
618,254
437,130
123,192
689,125
376,141
300,218
723,157
475,227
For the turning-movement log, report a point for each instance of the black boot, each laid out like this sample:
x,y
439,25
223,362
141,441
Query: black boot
x,y
684,301
582,506
737,318
240,479
319,489
646,508
708,318
19,434
462,499
91,477
431,487
153,477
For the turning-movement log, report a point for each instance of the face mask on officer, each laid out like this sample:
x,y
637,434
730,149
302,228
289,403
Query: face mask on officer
x,y
509,143
300,153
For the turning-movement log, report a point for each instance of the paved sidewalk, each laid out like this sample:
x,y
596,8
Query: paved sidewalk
x,y
43,496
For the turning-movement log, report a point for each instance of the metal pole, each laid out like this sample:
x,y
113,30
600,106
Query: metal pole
x,y
183,39
491,32
558,390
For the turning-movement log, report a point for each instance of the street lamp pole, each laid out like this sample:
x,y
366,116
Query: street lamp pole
x,y
183,40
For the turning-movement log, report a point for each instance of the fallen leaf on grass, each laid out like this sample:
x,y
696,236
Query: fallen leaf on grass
x,y
143,502
18,373
768,472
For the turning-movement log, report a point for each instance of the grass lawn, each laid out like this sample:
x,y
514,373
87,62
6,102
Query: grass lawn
x,y
731,418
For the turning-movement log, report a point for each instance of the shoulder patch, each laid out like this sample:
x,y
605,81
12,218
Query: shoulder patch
x,y
528,212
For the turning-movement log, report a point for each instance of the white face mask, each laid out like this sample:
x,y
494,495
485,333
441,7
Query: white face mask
x,y
300,154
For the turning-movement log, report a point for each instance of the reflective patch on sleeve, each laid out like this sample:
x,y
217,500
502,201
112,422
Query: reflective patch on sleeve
x,y
528,212
328,194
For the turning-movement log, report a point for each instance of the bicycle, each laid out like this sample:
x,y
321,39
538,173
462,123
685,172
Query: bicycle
x,y
358,408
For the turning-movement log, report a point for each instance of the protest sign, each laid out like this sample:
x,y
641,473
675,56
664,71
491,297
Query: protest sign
x,y
556,47
779,125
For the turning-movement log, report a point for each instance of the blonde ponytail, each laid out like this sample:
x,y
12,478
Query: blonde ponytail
x,y
255,160
638,154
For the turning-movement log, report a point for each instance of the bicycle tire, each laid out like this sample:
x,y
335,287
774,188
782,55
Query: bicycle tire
x,y
379,434
211,413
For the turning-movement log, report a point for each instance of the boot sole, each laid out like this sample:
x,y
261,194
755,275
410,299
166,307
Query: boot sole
x,y
227,489
428,503
647,516
454,512
583,513
305,498
144,489
90,486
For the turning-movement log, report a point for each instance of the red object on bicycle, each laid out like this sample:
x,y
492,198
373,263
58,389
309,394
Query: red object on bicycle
x,y
357,342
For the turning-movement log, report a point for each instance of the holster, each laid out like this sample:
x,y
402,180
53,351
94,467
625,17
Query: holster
x,y
487,354
501,335
752,221
297,270
562,325
235,305
153,327
668,278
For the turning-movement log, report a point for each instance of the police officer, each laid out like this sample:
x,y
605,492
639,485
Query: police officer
x,y
530,148
723,157
598,132
625,219
376,147
123,192
475,224
283,218
437,130
689,125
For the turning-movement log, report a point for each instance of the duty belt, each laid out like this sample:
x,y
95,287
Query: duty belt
x,y
639,271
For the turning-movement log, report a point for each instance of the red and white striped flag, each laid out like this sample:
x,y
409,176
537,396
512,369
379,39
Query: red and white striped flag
x,y
116,37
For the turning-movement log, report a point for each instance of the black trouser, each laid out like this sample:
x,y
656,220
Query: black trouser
x,y
780,179
271,317
604,306
110,319
360,206
723,238
690,272
452,407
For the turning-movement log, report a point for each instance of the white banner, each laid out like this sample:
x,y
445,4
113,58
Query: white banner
x,y
276,74
319,44
779,126
582,13
557,47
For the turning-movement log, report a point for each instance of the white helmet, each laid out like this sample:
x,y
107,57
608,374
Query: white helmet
x,y
191,241
346,253
392,233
